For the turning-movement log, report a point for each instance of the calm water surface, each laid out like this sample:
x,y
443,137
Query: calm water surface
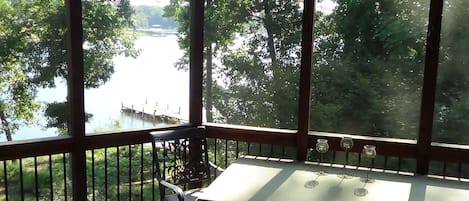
x,y
151,78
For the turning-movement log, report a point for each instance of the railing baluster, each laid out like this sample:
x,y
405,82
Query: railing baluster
x,y
359,160
5,179
445,169
283,151
105,174
271,150
260,150
333,157
165,154
249,148
459,171
21,179
153,170
385,163
237,149
118,173
64,161
215,151
226,153
130,172
141,172
174,162
93,180
346,160
36,182
184,154
51,186
399,163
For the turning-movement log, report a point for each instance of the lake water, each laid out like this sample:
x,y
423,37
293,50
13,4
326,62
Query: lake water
x,y
151,78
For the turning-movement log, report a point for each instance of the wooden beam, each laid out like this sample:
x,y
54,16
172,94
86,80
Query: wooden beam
x,y
36,147
450,153
196,59
304,101
76,97
429,87
251,134
122,138
403,148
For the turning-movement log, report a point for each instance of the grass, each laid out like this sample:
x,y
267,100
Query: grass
x,y
106,175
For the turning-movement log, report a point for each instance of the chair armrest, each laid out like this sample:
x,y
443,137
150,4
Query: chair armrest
x,y
178,191
216,167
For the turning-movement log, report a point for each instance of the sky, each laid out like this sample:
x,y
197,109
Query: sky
x,y
326,6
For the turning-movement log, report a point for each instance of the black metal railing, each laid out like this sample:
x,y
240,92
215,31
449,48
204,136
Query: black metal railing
x,y
36,178
223,152
120,173
118,166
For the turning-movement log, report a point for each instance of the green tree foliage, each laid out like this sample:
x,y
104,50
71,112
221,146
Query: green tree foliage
x,y
152,15
16,92
34,52
263,74
368,68
222,20
261,83
452,105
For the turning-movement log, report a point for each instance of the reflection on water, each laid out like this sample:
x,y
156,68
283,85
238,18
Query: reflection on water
x,y
151,77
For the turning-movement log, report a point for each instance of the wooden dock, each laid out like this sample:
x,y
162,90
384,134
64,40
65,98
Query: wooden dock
x,y
153,113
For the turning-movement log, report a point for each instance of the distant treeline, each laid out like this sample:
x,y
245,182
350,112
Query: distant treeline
x,y
152,15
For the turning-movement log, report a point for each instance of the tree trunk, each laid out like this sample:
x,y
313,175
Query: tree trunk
x,y
208,97
208,81
270,36
5,126
276,86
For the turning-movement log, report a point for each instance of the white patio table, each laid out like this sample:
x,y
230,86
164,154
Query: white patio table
x,y
267,179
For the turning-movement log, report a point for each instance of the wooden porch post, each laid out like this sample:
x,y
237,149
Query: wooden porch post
x,y
76,97
196,61
429,87
305,80
196,76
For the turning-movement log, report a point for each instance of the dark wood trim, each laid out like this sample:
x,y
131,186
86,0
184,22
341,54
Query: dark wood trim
x,y
304,101
122,138
450,153
251,134
429,87
37,147
196,59
385,146
76,70
76,97
63,144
